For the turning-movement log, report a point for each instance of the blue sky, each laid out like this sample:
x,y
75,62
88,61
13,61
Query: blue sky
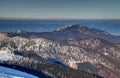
x,y
71,9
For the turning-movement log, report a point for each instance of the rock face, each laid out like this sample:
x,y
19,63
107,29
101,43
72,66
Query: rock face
x,y
74,46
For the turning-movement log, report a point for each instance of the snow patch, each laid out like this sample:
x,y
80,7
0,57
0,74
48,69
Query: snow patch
x,y
106,54
11,73
4,56
3,75
73,64
63,28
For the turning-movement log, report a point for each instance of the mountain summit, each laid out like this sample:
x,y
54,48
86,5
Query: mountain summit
x,y
76,26
69,32
81,29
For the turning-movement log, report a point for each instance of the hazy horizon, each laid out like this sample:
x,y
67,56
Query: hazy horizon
x,y
110,26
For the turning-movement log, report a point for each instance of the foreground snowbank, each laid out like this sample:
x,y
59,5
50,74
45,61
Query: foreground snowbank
x,y
11,73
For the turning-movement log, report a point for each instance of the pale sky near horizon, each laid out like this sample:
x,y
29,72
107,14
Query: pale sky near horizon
x,y
71,9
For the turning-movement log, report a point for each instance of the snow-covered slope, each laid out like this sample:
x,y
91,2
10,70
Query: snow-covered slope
x,y
11,73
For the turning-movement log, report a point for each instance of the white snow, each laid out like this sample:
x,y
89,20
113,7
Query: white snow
x,y
4,55
106,54
63,28
11,73
73,64
3,75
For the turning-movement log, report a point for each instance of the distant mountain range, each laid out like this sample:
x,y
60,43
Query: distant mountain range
x,y
68,32
67,52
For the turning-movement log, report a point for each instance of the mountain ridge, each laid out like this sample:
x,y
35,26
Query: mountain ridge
x,y
69,32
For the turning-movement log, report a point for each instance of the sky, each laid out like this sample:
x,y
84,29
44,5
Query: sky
x,y
60,9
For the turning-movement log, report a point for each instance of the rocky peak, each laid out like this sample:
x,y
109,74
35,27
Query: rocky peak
x,y
76,26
